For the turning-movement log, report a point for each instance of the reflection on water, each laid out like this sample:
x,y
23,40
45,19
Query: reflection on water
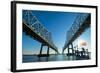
x,y
35,58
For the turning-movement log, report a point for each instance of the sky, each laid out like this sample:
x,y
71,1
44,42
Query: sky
x,y
58,23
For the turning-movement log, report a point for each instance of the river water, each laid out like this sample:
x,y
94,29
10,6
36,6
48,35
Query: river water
x,y
61,57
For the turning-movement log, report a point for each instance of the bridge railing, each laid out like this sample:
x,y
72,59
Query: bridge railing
x,y
32,21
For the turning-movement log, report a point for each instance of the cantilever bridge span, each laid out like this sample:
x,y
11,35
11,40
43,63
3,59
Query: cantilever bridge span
x,y
80,24
33,27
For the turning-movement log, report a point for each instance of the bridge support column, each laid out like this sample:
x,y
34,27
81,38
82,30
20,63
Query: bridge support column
x,y
43,55
48,51
41,49
68,49
71,49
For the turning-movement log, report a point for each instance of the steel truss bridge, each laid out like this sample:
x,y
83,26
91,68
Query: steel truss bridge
x,y
34,28
80,24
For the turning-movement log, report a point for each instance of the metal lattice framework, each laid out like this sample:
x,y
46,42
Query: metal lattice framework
x,y
81,23
32,22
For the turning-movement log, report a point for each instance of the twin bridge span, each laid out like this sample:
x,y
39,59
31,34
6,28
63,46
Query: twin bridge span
x,y
33,27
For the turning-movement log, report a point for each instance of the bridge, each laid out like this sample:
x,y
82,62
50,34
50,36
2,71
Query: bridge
x,y
80,24
34,28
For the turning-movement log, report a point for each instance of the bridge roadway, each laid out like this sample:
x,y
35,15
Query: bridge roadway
x,y
81,23
37,31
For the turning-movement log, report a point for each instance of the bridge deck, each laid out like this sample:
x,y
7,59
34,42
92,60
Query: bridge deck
x,y
82,28
33,27
30,31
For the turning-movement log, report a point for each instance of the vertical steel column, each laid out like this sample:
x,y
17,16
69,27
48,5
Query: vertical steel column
x,y
72,48
68,49
48,51
41,49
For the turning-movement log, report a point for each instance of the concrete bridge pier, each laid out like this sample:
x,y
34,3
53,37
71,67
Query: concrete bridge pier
x,y
41,49
70,48
43,55
48,51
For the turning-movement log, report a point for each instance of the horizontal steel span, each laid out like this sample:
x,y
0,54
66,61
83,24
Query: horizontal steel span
x,y
33,27
81,23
